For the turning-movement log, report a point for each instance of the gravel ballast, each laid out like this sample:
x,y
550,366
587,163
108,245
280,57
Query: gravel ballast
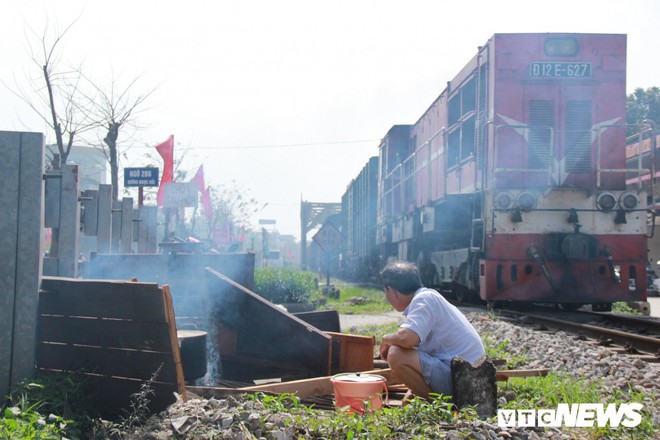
x,y
239,418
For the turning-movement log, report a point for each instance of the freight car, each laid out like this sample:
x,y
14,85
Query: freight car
x,y
511,186
361,258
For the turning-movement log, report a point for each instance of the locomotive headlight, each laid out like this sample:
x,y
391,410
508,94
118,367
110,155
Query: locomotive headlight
x,y
629,201
606,201
526,201
561,47
503,200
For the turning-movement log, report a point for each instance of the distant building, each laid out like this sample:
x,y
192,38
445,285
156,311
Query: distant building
x,y
92,165
92,171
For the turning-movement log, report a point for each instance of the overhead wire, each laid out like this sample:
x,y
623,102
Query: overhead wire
x,y
245,147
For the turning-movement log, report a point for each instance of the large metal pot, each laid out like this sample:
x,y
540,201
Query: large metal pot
x,y
192,346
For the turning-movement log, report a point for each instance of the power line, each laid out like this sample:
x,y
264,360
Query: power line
x,y
308,144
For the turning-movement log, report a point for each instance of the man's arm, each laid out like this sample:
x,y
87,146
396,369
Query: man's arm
x,y
403,337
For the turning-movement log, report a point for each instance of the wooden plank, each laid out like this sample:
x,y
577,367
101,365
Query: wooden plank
x,y
245,312
246,369
107,299
106,361
118,372
504,375
321,386
324,320
174,341
112,333
114,396
226,340
317,386
352,352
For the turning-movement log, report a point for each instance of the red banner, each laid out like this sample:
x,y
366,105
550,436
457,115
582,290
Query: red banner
x,y
206,202
199,179
166,151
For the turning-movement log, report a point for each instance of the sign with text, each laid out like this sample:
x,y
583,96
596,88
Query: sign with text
x,y
140,177
560,70
180,195
328,237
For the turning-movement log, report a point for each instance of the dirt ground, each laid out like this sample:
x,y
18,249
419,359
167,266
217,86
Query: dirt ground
x,y
347,322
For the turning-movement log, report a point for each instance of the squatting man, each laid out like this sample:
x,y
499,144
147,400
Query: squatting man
x,y
433,332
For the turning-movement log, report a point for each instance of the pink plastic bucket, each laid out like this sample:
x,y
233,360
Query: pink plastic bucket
x,y
358,392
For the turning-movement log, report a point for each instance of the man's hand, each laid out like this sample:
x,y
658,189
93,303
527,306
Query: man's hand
x,y
384,348
403,338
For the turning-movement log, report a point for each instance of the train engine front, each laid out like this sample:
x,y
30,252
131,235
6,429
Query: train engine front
x,y
559,223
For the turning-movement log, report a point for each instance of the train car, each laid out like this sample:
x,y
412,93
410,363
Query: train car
x,y
360,256
512,185
643,161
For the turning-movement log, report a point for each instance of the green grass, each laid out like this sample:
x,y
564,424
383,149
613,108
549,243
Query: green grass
x,y
376,330
548,391
500,350
354,300
555,388
418,420
37,409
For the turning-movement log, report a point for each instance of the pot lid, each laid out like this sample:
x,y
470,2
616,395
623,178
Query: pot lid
x,y
357,377
190,333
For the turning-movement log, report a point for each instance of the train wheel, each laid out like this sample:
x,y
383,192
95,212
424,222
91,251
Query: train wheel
x,y
601,307
427,270
570,307
464,295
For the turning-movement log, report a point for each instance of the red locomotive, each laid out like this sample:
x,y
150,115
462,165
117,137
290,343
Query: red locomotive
x,y
512,185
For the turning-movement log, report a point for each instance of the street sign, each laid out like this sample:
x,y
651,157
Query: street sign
x,y
328,237
140,177
180,195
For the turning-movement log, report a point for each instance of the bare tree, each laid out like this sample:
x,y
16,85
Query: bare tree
x,y
233,208
112,110
55,94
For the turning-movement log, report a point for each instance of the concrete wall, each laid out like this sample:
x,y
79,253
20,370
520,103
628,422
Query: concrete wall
x,y
21,218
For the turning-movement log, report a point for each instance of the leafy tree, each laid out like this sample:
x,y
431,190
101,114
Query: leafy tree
x,y
232,210
643,105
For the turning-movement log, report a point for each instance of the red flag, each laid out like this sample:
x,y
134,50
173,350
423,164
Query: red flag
x,y
199,179
166,151
206,202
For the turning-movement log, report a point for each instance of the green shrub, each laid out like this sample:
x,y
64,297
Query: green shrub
x,y
622,307
45,408
284,285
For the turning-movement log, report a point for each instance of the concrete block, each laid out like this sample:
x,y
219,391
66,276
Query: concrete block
x,y
69,230
104,219
21,219
475,385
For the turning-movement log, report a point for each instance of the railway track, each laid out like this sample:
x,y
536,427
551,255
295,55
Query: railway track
x,y
639,335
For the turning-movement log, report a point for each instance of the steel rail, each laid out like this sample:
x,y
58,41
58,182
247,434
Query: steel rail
x,y
646,344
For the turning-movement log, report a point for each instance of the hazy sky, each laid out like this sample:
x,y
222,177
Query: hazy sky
x,y
290,98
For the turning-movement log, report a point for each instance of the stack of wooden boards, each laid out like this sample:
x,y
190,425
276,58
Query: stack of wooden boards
x,y
115,334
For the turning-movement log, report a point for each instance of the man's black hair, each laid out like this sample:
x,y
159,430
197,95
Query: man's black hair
x,y
402,276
